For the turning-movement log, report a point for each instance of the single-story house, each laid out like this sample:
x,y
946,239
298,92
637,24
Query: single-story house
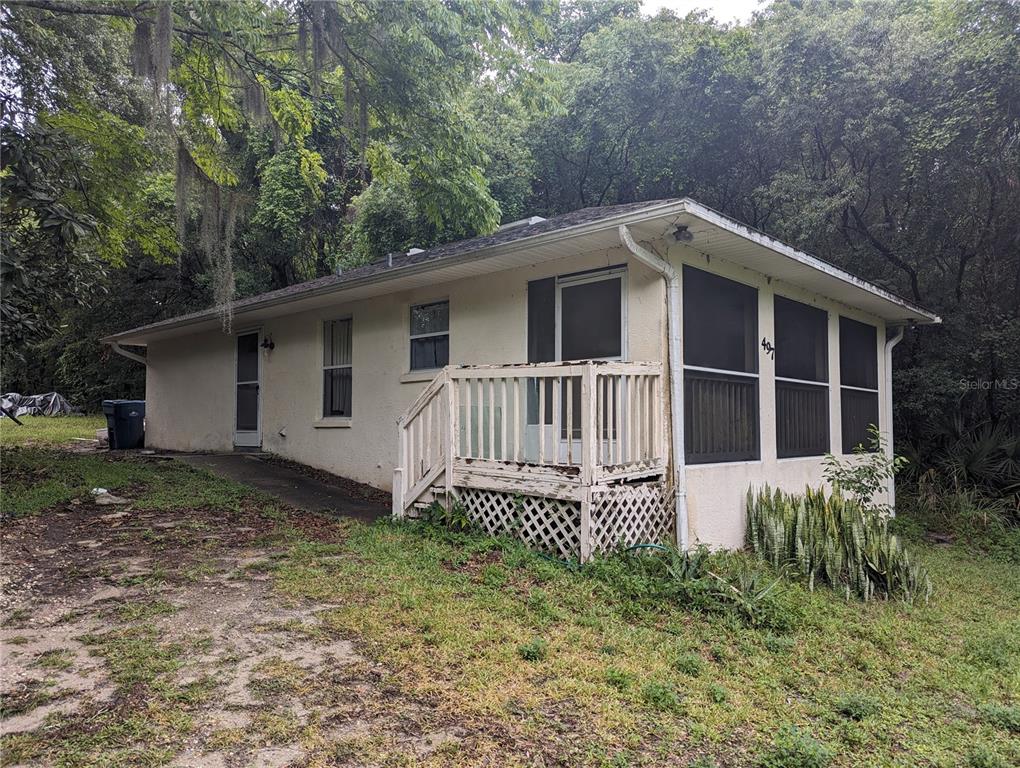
x,y
609,376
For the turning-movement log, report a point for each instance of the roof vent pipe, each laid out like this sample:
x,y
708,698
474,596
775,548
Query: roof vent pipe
x,y
676,374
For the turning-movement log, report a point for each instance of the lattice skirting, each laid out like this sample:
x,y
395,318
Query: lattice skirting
x,y
621,515
549,525
625,515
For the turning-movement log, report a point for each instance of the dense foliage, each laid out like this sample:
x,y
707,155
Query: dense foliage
x,y
211,150
835,541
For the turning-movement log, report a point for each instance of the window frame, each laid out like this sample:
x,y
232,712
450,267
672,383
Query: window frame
x,y
754,376
411,337
876,391
583,278
323,416
820,384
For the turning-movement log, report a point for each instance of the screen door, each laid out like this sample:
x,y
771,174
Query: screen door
x,y
247,422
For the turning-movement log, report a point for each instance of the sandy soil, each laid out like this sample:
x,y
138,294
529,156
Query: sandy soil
x,y
86,569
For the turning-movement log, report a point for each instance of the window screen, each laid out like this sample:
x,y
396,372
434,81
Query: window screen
x,y
720,332
591,320
337,366
720,417
802,408
858,378
720,322
858,354
430,335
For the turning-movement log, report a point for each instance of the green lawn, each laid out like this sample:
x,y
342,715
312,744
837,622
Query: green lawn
x,y
552,661
49,430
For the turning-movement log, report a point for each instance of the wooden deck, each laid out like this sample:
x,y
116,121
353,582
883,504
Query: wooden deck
x,y
556,431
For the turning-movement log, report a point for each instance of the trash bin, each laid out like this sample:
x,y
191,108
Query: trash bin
x,y
125,423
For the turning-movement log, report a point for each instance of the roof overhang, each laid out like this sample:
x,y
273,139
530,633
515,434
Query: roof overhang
x,y
714,234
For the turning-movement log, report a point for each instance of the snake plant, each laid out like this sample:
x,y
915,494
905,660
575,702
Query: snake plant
x,y
834,540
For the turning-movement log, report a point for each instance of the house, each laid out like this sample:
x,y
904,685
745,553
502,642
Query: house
x,y
610,376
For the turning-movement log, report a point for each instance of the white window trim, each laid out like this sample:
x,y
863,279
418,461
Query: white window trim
x,y
412,374
330,421
583,278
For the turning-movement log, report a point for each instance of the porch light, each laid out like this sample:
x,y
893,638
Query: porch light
x,y
267,343
682,235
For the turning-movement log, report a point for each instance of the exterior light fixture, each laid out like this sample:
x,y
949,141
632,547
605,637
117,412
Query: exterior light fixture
x,y
267,343
682,235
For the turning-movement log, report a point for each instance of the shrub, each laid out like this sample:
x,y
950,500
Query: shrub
x,y
661,696
1001,716
535,649
793,748
835,540
867,474
856,706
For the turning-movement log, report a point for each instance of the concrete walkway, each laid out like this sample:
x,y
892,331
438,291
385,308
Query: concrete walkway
x,y
288,485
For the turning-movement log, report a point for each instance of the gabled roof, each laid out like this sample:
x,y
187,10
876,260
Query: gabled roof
x,y
555,237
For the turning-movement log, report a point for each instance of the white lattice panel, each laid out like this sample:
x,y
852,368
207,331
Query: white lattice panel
x,y
625,515
550,525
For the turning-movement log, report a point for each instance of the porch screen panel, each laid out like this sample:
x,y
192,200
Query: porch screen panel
x,y
802,374
720,417
720,369
337,367
591,320
858,378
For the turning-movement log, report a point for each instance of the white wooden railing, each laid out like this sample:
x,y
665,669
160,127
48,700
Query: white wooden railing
x,y
544,428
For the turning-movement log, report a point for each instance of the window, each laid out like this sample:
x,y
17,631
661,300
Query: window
x,y
858,379
720,369
430,335
336,368
802,375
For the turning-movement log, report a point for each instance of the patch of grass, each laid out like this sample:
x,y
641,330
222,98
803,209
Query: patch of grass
x,y
794,748
49,430
1004,716
140,610
275,677
857,706
58,659
535,649
275,728
618,679
690,664
661,696
983,756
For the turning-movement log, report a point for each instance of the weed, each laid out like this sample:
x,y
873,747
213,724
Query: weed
x,y
138,611
618,679
856,706
982,756
718,693
691,664
793,748
535,649
1003,716
57,659
661,696
778,643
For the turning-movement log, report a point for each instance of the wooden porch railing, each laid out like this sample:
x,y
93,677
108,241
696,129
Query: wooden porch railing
x,y
547,429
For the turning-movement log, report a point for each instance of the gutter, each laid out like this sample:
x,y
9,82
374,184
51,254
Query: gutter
x,y
676,382
116,347
890,344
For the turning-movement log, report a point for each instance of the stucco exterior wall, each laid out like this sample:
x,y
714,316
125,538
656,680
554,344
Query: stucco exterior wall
x,y
716,493
189,393
190,380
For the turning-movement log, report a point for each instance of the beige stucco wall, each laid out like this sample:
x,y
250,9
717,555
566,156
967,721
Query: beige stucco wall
x,y
716,493
190,386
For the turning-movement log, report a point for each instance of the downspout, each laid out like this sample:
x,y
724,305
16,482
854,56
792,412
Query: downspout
x,y
889,345
125,353
676,380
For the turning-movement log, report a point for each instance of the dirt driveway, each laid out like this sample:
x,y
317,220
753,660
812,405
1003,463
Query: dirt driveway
x,y
154,637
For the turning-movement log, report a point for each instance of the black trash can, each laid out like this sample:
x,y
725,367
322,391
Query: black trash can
x,y
125,423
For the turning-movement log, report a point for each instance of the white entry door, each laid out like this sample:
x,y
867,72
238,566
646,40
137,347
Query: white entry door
x,y
247,411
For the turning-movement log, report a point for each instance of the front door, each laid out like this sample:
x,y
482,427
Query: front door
x,y
573,317
247,415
